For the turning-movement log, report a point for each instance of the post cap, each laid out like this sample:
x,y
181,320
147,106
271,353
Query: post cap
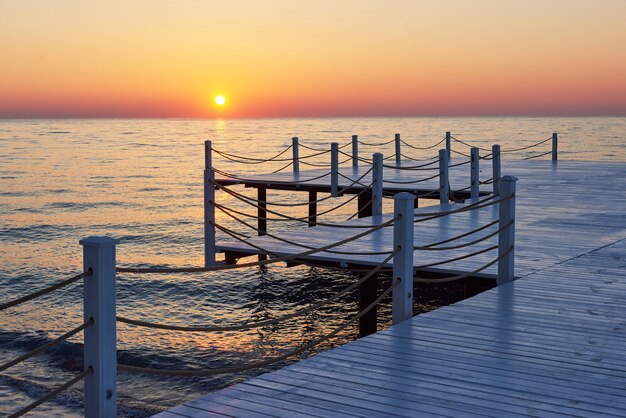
x,y
508,178
355,136
98,241
404,196
377,155
397,136
294,138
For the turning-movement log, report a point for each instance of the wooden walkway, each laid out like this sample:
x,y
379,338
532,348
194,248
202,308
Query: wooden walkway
x,y
551,343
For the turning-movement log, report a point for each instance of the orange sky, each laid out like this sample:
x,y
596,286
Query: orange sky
x,y
152,58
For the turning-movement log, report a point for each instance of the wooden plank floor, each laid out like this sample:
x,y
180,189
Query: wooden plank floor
x,y
551,343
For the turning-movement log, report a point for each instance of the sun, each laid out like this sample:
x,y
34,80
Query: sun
x,y
220,100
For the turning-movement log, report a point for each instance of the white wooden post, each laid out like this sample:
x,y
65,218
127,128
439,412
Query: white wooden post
x,y
506,237
555,143
402,299
495,167
296,154
209,209
99,339
355,151
377,186
398,151
444,196
475,172
334,169
448,144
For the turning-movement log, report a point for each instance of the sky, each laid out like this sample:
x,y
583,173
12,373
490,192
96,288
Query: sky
x,y
286,58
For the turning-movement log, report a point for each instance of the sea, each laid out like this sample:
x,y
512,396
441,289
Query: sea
x,y
140,181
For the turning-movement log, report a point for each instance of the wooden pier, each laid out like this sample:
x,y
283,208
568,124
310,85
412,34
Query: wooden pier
x,y
551,343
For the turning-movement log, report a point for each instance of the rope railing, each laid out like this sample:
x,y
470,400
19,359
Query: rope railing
x,y
52,393
411,181
44,291
537,156
347,144
303,219
415,167
291,242
50,344
464,275
376,144
260,263
423,148
263,202
435,247
250,160
451,260
262,363
457,237
543,141
258,324
289,164
472,206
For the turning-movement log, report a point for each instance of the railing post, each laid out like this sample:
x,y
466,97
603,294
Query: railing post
x,y
377,184
355,151
475,172
334,169
506,237
99,339
398,149
296,154
209,209
448,144
495,167
444,193
402,299
555,143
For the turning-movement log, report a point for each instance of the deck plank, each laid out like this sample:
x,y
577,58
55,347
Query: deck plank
x,y
548,344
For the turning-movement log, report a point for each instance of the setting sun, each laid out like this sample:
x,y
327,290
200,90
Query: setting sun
x,y
220,100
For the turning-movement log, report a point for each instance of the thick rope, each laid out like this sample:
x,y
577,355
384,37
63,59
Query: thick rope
x,y
252,325
460,153
445,241
286,241
283,168
414,167
423,148
47,345
250,160
411,181
537,156
504,150
304,219
374,144
44,291
477,205
259,263
451,260
52,393
465,275
263,363
467,244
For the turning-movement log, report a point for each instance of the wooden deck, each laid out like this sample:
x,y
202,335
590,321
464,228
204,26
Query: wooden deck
x,y
551,343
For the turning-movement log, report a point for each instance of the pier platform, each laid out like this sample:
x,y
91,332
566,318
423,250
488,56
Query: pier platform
x,y
550,343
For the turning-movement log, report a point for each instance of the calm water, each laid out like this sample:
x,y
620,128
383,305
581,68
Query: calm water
x,y
141,181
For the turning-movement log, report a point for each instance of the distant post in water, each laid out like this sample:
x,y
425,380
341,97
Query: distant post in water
x,y
555,143
355,151
449,144
209,208
506,237
475,172
296,154
398,149
100,338
334,169
444,196
495,160
402,298
377,184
